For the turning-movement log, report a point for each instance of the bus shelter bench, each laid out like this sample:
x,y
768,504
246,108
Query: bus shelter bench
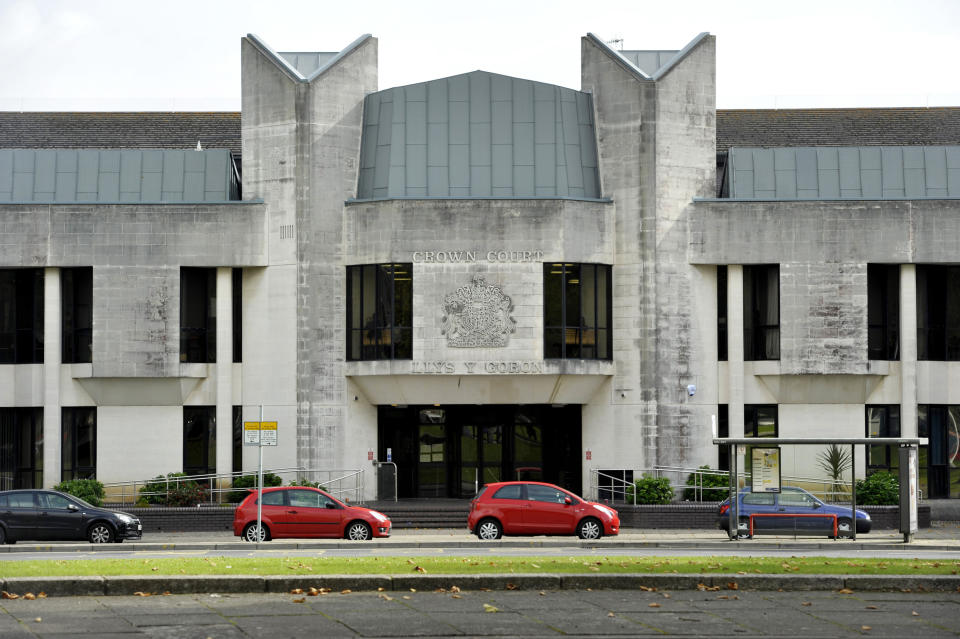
x,y
821,515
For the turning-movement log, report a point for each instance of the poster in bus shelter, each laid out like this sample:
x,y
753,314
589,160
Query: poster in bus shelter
x,y
765,469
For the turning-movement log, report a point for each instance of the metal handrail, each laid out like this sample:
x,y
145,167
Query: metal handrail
x,y
343,484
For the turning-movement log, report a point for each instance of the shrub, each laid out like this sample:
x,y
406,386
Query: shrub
x,y
89,490
243,483
172,490
650,490
308,483
880,489
715,486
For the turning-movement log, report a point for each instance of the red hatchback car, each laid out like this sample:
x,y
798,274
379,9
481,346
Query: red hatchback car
x,y
536,508
300,511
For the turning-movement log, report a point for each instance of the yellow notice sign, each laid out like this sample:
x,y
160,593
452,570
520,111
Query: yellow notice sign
x,y
260,433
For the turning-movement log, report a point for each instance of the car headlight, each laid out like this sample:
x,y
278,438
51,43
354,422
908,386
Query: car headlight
x,y
127,519
379,516
609,512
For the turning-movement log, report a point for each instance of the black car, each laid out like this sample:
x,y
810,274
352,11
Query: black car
x,y
55,516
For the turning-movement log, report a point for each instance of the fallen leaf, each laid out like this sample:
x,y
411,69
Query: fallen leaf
x,y
345,591
313,592
454,588
30,596
845,591
385,597
419,569
866,628
296,591
300,600
37,619
666,595
649,589
654,605
872,608
155,569
41,595
9,595
915,613
489,608
534,565
610,614
511,586
456,596
732,585
407,597
381,589
440,590
807,603
140,593
413,590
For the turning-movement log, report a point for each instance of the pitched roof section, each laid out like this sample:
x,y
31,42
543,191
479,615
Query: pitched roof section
x,y
649,61
307,62
829,173
120,130
97,175
837,127
478,135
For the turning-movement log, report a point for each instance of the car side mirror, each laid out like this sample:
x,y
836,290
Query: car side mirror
x,y
567,501
331,505
72,507
817,504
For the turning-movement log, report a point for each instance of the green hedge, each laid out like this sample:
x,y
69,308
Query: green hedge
x,y
715,486
650,490
880,489
172,490
89,490
244,483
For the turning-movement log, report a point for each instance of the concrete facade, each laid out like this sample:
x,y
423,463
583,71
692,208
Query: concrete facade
x,y
657,223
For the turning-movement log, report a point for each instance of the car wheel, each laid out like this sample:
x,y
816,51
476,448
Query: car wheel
x,y
100,533
251,533
359,531
489,529
3,535
589,528
844,527
743,528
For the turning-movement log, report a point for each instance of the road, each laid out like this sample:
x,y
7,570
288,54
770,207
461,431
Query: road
x,y
491,614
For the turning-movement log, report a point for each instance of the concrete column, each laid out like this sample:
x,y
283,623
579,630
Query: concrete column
x,y
735,348
224,370
51,377
908,350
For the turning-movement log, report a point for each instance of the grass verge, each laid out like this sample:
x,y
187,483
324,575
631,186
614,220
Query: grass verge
x,y
473,565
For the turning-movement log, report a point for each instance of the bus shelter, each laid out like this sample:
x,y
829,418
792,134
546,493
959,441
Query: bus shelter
x,y
766,478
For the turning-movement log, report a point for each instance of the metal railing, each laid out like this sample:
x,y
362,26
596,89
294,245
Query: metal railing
x,y
345,485
613,489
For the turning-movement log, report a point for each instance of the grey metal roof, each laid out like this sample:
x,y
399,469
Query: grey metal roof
x,y
138,175
856,172
649,61
478,135
306,62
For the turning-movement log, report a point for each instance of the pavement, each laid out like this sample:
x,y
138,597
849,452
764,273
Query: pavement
x,y
942,536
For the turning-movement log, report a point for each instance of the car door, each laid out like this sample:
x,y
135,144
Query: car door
x,y
804,504
547,511
752,503
507,505
20,514
313,514
273,510
58,518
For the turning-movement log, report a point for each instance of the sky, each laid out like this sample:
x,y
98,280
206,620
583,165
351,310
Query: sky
x,y
177,55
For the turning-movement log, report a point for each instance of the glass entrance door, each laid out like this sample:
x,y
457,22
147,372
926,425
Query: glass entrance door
x,y
481,456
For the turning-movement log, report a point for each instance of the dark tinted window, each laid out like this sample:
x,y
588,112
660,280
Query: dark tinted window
x,y
761,312
938,313
21,316
21,500
198,315
274,498
536,492
50,500
380,311
76,304
883,311
577,307
3,501
508,492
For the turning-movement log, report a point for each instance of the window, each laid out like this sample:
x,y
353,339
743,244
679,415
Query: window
x,y
938,313
237,439
722,313
760,420
52,501
508,492
883,311
536,492
759,499
237,298
883,421
940,458
198,315
21,316
380,311
21,448
577,300
273,498
76,309
791,498
761,312
78,443
199,440
723,430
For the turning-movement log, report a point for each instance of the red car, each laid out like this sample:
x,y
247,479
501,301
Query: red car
x,y
536,508
299,511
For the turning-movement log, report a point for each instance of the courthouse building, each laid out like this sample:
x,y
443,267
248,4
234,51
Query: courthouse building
x,y
479,277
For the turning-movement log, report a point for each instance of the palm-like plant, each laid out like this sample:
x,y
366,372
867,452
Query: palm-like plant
x,y
835,460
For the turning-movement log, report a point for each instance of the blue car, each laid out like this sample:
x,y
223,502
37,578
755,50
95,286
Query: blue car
x,y
778,514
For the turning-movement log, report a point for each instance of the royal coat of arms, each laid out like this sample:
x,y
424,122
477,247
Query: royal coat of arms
x,y
477,316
